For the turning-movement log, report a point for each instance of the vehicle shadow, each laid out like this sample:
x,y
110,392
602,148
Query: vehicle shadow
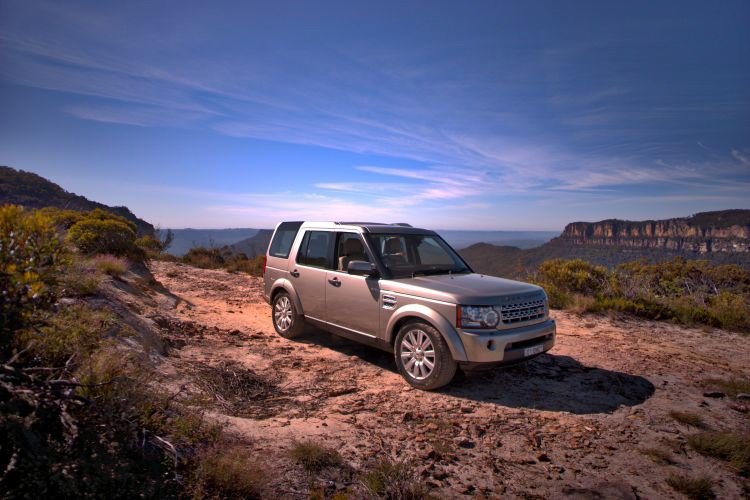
x,y
548,382
554,383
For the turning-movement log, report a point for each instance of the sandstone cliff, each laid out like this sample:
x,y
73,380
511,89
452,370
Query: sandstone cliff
x,y
707,232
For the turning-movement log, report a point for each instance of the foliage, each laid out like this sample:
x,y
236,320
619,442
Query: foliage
x,y
30,255
74,330
684,291
216,258
79,413
101,232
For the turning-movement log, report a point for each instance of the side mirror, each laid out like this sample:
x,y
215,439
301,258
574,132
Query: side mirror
x,y
362,268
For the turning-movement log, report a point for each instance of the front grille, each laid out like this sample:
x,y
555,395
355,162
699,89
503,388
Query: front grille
x,y
520,312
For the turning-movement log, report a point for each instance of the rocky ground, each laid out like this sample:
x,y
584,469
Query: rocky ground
x,y
582,421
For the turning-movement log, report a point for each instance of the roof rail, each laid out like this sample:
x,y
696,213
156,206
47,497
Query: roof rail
x,y
404,224
340,223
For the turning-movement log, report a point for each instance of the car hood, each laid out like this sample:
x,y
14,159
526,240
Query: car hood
x,y
469,289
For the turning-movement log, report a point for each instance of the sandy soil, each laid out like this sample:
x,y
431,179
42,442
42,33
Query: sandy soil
x,y
571,423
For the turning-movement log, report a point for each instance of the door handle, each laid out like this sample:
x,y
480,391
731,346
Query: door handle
x,y
334,282
294,273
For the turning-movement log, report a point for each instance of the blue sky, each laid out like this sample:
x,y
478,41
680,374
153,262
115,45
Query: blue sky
x,y
481,115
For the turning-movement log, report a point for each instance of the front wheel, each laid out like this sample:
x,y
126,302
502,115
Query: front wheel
x,y
286,320
423,357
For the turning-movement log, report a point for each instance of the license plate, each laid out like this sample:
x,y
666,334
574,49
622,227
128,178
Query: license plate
x,y
530,351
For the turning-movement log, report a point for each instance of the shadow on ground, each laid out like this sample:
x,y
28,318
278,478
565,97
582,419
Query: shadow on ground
x,y
555,383
548,382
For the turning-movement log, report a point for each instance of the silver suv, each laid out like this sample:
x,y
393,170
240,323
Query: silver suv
x,y
404,290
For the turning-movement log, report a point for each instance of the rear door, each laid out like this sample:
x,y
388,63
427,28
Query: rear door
x,y
277,256
308,271
352,301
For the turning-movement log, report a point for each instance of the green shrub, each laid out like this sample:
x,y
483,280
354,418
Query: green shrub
x,y
97,236
30,257
242,264
731,311
71,330
206,258
62,218
574,276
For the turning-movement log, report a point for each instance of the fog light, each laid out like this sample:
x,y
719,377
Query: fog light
x,y
491,345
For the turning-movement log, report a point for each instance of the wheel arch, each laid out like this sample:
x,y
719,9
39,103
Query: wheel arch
x,y
419,313
283,285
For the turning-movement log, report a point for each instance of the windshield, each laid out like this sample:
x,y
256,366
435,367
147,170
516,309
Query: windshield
x,y
416,254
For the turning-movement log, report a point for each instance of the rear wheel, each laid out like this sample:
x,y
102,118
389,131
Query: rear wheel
x,y
423,358
286,320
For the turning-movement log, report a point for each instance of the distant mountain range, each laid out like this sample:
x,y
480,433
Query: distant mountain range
x,y
185,239
721,237
30,190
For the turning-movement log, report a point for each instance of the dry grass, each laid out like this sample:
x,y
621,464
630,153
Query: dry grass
x,y
694,488
395,481
658,455
314,457
228,472
732,387
110,264
688,418
728,446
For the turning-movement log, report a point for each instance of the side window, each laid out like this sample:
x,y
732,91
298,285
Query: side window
x,y
282,241
316,249
348,248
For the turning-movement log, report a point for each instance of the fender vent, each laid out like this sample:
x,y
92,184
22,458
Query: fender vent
x,y
389,301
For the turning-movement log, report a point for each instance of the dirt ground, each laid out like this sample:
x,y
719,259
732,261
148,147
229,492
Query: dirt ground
x,y
573,423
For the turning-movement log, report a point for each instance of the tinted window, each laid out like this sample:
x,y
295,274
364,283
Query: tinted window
x,y
349,248
316,249
282,241
413,254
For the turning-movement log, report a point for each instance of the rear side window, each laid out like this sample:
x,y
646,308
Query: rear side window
x,y
282,241
316,249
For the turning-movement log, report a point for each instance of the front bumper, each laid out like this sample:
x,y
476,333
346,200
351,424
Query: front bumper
x,y
508,346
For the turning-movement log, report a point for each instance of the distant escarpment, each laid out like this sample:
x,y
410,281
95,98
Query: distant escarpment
x,y
720,237
30,190
707,232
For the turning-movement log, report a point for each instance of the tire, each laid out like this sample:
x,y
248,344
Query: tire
x,y
413,360
287,321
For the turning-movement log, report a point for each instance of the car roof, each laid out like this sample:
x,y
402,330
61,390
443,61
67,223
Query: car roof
x,y
369,227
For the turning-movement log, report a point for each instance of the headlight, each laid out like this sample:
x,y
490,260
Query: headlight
x,y
477,317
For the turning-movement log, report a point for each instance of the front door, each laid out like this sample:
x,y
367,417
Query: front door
x,y
308,272
352,302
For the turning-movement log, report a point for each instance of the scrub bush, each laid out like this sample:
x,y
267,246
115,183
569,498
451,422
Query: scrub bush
x,y
30,257
683,291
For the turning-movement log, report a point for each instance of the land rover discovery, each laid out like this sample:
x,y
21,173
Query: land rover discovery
x,y
404,290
